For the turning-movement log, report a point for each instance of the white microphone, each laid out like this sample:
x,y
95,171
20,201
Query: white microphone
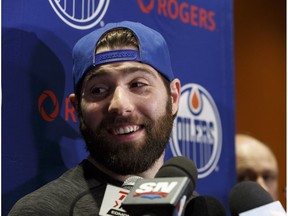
x,y
114,196
272,209
248,198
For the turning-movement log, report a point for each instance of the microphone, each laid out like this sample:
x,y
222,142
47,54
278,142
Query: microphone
x,y
179,167
114,196
204,206
167,193
249,198
130,182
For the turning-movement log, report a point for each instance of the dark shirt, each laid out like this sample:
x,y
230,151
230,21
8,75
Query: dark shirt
x,y
79,191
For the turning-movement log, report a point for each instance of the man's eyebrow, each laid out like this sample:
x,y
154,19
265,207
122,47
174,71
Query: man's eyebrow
x,y
96,73
139,69
101,72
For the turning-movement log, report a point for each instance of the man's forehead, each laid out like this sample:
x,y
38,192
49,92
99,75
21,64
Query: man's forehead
x,y
126,68
256,162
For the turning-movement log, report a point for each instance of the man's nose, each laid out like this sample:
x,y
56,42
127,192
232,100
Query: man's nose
x,y
120,102
260,180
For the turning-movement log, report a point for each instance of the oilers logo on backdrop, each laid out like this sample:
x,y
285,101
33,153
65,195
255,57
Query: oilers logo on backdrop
x,y
82,14
197,131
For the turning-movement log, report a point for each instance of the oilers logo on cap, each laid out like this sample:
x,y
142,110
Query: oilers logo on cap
x,y
197,131
80,14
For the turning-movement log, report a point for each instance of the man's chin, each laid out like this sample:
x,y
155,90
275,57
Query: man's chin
x,y
124,161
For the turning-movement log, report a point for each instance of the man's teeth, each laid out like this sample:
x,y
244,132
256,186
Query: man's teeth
x,y
125,130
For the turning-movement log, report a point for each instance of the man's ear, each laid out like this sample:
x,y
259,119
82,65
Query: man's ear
x,y
74,101
175,87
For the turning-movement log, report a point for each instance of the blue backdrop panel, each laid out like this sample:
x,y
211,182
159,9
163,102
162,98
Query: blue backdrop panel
x,y
40,136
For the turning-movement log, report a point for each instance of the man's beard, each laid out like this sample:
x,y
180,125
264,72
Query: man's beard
x,y
129,157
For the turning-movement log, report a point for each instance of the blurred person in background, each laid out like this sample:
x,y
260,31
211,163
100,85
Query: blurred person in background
x,y
256,162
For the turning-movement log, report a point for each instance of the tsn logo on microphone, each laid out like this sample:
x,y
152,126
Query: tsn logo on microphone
x,y
158,189
154,190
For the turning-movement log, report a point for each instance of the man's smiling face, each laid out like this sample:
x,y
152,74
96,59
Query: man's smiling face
x,y
125,116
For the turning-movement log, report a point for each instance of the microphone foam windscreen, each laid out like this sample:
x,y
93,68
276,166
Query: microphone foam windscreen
x,y
247,195
179,167
130,182
204,206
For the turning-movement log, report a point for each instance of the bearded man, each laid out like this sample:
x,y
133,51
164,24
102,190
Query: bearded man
x,y
126,98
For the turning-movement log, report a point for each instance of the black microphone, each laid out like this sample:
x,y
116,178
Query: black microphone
x,y
247,195
204,206
179,167
167,193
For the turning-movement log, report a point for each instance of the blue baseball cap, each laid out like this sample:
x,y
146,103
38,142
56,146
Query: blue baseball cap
x,y
153,51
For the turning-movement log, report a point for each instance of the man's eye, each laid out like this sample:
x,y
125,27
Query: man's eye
x,y
137,84
268,178
247,176
96,91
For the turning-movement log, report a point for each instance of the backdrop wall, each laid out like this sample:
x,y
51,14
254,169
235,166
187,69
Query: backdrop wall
x,y
40,136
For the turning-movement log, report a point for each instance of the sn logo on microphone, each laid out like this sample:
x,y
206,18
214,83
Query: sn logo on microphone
x,y
154,190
